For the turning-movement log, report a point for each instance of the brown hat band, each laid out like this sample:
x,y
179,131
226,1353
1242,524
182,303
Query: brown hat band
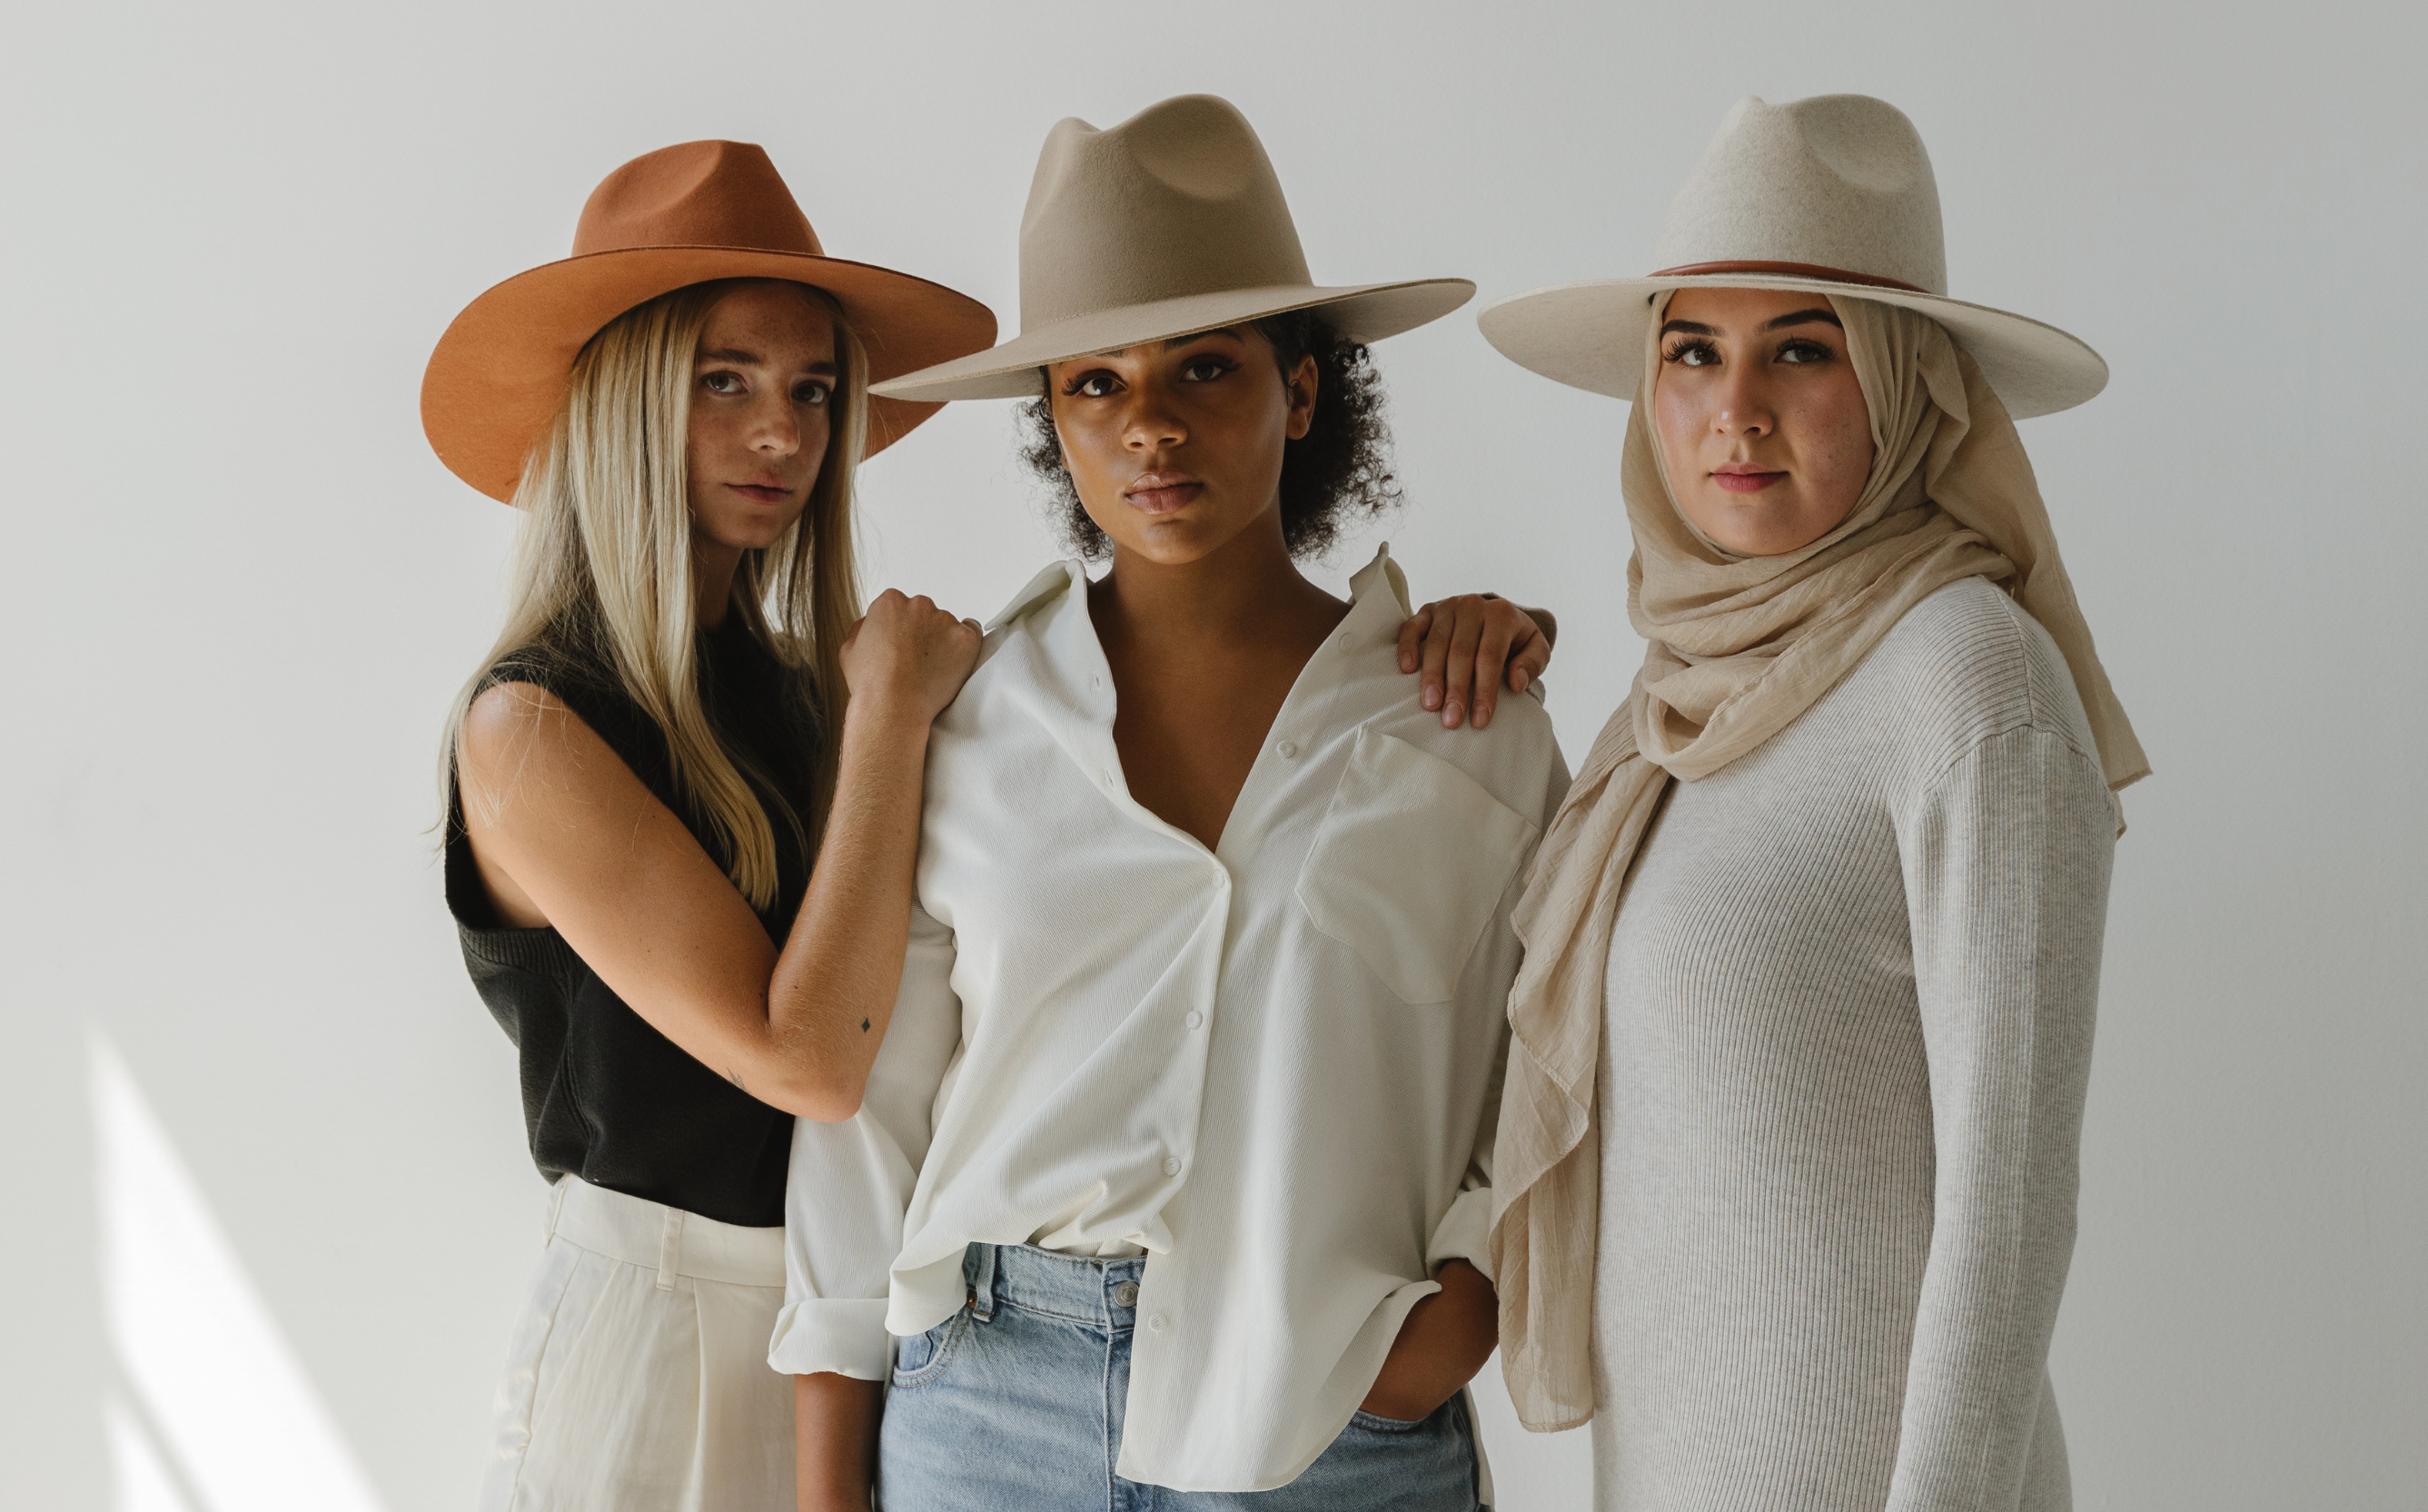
x,y
1834,275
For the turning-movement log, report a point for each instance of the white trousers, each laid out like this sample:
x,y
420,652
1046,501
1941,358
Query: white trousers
x,y
638,1379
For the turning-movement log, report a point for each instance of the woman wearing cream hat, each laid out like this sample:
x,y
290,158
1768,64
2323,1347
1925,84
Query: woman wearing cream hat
x,y
643,768
1171,1182
1787,1150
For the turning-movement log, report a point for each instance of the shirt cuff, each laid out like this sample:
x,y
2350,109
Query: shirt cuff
x,y
1465,1233
842,1337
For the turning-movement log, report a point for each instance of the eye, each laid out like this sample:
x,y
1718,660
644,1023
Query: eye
x,y
1800,351
1693,352
721,382
812,392
1207,368
1095,385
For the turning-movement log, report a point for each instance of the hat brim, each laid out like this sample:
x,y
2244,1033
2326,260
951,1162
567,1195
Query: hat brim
x,y
494,383
1590,336
1366,313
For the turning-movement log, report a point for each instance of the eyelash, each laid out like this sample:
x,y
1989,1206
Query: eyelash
x,y
1807,350
820,393
1224,367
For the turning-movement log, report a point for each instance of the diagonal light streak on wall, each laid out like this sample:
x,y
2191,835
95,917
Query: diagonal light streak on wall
x,y
233,1407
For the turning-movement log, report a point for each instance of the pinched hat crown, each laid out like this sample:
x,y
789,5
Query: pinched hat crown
x,y
697,194
1181,200
1839,182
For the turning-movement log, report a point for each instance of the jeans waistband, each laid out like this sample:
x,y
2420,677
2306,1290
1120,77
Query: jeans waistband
x,y
1101,1292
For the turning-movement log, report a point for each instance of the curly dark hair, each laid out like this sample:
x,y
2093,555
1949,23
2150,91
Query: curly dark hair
x,y
1338,473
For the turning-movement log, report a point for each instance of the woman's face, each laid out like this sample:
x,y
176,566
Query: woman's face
x,y
763,387
1760,420
1176,447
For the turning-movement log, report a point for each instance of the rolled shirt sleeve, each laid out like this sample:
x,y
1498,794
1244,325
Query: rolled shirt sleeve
x,y
849,1182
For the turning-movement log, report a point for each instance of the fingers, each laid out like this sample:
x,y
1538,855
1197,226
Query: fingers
x,y
1412,635
1534,655
1433,661
1491,654
1458,670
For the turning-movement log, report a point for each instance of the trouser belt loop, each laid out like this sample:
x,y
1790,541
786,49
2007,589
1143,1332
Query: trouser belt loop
x,y
982,1282
670,1250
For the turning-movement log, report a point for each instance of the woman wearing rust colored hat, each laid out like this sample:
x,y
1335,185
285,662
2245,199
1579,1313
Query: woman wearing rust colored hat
x,y
1788,1147
685,710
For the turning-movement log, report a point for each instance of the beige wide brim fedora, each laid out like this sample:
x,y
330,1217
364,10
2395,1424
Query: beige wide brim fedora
x,y
680,216
1834,195
1170,223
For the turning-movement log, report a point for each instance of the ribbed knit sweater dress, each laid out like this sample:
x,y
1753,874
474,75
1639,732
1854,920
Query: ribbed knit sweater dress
x,y
1849,1024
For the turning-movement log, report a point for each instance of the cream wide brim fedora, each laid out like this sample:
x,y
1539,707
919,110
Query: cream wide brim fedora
x,y
1170,223
689,214
1832,195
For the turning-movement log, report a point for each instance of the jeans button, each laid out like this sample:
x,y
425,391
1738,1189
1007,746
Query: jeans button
x,y
1125,1294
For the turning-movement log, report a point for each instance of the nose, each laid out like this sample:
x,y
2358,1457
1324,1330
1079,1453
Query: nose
x,y
1151,425
1744,404
774,431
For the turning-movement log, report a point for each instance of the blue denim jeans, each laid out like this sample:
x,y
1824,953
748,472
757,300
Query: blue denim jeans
x,y
1014,1404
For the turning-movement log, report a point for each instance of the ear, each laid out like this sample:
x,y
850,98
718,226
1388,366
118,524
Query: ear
x,y
1302,382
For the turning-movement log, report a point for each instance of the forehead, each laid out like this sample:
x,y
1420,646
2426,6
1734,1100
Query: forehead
x,y
1729,308
785,322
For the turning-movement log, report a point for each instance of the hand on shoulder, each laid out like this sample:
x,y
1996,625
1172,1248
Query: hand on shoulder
x,y
907,659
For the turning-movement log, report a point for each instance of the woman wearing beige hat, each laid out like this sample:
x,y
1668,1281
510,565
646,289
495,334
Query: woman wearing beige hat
x,y
1787,1151
1170,1186
643,768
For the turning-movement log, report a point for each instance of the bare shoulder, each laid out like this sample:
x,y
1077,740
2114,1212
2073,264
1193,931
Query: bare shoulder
x,y
519,733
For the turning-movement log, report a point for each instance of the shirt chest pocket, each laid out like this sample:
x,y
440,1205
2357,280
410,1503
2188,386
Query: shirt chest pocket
x,y
1410,865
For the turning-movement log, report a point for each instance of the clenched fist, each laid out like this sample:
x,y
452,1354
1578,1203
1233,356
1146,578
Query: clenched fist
x,y
907,658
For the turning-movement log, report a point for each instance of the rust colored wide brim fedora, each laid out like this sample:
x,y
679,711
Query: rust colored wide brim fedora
x,y
1833,194
682,214
1170,223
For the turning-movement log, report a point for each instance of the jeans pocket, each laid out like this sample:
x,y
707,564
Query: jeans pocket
x,y
923,1357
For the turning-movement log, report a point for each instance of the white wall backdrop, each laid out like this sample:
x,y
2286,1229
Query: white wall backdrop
x,y
266,1178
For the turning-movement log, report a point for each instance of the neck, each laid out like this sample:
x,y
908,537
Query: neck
x,y
1245,596
713,568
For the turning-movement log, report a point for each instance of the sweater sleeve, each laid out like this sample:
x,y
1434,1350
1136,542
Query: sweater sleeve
x,y
2006,860
850,1182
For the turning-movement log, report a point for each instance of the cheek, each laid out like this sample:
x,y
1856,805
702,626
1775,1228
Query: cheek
x,y
1677,424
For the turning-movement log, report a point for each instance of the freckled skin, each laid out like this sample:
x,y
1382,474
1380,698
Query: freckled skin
x,y
1778,406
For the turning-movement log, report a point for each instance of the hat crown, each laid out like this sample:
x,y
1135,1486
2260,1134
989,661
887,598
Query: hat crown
x,y
1178,200
696,194
1836,181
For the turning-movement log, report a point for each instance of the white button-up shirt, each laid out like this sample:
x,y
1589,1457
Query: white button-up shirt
x,y
1275,1065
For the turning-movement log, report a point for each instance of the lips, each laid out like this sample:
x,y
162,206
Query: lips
x,y
1739,480
1162,493
761,492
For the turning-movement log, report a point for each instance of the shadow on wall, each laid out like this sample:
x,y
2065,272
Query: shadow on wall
x,y
211,1410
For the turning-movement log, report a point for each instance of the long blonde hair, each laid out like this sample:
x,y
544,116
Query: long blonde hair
x,y
603,567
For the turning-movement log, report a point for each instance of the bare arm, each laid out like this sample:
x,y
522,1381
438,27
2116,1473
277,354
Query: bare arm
x,y
564,833
835,1418
1462,646
1444,1340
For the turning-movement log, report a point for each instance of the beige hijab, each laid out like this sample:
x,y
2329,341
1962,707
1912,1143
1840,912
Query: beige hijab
x,y
1740,646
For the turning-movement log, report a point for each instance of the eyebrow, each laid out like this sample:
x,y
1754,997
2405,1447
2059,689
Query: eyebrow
x,y
752,359
1695,328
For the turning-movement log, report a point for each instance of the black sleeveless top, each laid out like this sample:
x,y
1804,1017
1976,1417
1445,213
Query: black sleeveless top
x,y
606,1098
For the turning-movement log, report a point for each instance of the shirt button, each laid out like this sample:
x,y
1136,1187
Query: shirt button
x,y
1194,1018
1155,1324
1346,638
1125,1294
1288,749
1172,1165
